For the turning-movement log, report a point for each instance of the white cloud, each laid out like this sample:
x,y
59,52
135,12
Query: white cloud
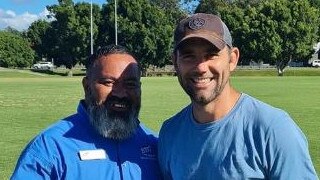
x,y
19,22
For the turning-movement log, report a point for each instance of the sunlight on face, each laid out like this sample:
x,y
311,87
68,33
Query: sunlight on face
x,y
113,96
203,70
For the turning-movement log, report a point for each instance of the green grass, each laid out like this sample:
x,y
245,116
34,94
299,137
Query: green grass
x,y
273,72
19,73
30,103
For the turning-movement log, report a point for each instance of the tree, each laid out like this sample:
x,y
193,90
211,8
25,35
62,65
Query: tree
x,y
13,31
36,36
143,27
295,23
315,3
174,9
240,20
63,34
15,51
243,21
305,29
69,34
212,6
274,31
83,29
243,24
264,44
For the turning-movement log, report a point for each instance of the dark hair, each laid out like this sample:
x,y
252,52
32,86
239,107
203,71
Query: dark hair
x,y
104,51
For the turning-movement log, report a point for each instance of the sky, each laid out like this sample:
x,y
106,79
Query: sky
x,y
19,14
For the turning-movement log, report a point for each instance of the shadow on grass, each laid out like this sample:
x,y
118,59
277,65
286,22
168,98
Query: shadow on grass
x,y
56,72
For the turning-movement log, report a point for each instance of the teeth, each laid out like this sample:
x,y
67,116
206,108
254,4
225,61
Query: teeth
x,y
119,105
201,80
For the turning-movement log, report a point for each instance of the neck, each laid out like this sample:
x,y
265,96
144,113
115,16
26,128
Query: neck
x,y
216,109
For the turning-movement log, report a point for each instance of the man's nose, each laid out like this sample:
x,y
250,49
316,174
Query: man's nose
x,y
201,65
119,91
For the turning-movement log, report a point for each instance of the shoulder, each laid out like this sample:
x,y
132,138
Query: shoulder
x,y
256,105
276,124
262,112
52,135
59,128
146,135
147,130
271,124
178,117
176,121
50,140
276,136
41,152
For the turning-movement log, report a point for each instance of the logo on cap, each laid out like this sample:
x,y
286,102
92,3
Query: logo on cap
x,y
197,23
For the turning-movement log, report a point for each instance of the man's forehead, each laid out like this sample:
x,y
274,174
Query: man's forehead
x,y
116,66
193,43
117,58
116,61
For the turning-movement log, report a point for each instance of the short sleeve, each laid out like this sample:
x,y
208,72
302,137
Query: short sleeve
x,y
287,151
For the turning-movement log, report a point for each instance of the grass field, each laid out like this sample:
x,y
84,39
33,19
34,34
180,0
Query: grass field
x,y
29,103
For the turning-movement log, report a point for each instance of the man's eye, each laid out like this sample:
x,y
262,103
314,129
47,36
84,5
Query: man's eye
x,y
107,82
187,57
211,55
132,84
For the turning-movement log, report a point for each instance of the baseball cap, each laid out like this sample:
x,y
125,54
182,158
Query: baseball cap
x,y
205,26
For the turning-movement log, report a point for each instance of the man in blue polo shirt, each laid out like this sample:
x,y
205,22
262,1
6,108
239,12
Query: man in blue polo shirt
x,y
104,139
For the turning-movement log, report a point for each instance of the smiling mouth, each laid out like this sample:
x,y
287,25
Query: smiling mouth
x,y
116,106
201,80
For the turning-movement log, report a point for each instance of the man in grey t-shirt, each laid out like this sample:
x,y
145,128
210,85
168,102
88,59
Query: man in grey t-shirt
x,y
225,134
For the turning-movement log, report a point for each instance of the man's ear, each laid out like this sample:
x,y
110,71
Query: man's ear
x,y
85,84
234,58
174,60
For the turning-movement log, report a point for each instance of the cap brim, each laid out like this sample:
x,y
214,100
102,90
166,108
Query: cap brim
x,y
217,42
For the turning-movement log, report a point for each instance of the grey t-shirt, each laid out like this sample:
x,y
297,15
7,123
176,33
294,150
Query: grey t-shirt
x,y
254,140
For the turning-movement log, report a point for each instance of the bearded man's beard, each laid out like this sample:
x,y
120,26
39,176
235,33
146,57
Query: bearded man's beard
x,y
112,124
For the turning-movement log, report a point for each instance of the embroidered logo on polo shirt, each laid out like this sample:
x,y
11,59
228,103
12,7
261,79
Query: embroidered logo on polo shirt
x,y
148,152
196,23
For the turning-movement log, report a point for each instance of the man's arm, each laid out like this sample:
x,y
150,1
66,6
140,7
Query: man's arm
x,y
33,165
287,152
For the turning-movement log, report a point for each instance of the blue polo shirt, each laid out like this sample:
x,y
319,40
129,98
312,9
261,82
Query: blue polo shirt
x,y
71,149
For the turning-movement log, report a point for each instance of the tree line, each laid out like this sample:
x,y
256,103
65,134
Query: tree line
x,y
266,31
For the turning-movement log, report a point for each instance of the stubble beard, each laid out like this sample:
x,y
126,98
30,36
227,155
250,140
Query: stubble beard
x,y
113,125
202,98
